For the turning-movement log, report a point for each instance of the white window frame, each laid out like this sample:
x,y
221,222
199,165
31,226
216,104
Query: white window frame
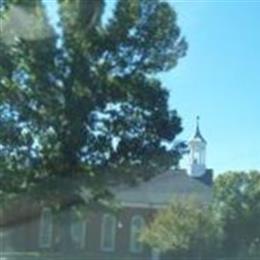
x,y
5,241
155,254
45,232
133,232
73,228
105,218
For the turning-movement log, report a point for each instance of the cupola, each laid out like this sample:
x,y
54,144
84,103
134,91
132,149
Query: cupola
x,y
197,153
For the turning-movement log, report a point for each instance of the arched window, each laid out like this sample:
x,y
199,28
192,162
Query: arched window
x,y
137,224
155,254
108,233
46,228
78,230
6,240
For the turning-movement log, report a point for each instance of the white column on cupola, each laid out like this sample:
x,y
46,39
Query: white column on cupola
x,y
197,154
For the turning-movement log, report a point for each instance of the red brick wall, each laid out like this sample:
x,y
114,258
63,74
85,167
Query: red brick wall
x,y
25,235
122,244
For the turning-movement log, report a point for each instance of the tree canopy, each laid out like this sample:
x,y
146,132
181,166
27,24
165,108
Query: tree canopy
x,y
185,229
237,204
227,228
83,106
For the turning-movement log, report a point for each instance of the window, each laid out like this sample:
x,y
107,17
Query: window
x,y
108,232
5,241
46,226
196,157
137,224
78,230
155,254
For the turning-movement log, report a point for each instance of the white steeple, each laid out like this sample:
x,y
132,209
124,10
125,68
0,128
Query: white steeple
x,y
197,155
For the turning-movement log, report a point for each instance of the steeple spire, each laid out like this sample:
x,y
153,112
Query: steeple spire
x,y
197,133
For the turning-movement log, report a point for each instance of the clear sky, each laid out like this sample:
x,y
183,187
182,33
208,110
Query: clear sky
x,y
219,79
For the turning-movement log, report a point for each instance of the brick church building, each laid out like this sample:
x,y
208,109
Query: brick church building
x,y
108,235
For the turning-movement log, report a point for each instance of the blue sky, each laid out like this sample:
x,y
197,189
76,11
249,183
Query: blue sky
x,y
219,79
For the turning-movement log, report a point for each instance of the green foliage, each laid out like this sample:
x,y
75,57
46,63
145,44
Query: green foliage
x,y
84,107
237,204
230,227
185,229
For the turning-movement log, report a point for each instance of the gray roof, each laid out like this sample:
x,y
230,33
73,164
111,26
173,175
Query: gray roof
x,y
163,188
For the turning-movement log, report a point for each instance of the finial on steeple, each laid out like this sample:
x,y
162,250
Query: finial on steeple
x,y
198,122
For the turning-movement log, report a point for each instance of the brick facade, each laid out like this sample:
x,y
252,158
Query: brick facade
x,y
24,236
21,224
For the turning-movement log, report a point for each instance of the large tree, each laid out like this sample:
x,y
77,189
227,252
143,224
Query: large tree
x,y
237,205
82,106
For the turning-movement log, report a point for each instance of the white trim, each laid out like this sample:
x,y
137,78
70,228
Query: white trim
x,y
111,218
135,245
83,238
46,228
